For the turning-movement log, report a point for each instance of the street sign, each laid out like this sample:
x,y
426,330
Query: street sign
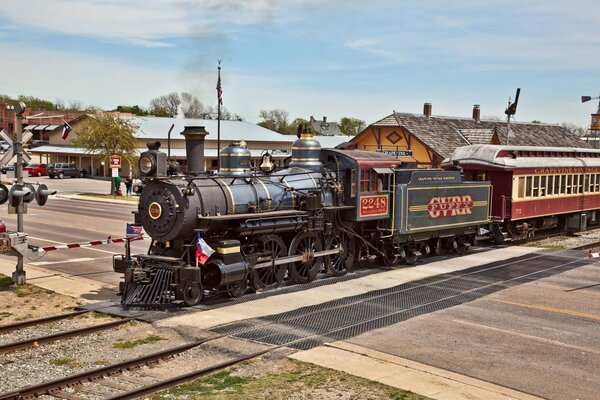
x,y
115,161
115,172
398,153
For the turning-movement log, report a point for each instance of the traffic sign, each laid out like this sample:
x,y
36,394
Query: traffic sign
x,y
10,153
115,161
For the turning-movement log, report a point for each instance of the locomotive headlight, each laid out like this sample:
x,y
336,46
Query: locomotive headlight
x,y
147,164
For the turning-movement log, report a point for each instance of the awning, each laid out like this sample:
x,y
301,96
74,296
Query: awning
x,y
383,170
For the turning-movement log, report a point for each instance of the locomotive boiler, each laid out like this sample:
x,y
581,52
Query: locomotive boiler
x,y
325,212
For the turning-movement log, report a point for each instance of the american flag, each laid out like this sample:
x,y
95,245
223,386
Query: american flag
x,y
219,89
133,231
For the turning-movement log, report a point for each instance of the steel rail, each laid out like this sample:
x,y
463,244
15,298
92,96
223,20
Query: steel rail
x,y
38,321
58,336
47,388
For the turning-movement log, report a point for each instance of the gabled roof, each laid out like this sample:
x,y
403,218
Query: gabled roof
x,y
323,128
444,134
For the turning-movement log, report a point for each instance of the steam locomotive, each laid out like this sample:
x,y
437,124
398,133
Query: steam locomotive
x,y
326,211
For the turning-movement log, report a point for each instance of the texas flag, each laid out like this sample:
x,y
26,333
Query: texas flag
x,y
203,250
66,130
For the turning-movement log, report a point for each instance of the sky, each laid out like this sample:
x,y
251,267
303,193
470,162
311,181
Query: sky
x,y
361,59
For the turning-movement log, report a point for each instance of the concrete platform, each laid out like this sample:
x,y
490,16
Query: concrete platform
x,y
405,374
86,290
291,301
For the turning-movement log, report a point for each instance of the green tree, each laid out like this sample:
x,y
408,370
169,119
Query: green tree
x,y
351,126
293,129
275,120
105,135
35,103
135,110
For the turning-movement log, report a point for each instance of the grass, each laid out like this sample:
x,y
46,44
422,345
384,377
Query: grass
x,y
133,199
4,314
295,379
553,246
68,362
130,344
5,281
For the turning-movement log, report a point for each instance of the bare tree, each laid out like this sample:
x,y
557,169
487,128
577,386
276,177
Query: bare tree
x,y
191,106
275,120
577,130
166,105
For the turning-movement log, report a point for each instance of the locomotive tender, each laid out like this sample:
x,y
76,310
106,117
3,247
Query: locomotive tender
x,y
327,211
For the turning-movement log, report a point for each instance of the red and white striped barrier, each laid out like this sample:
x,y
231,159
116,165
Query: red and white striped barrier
x,y
593,255
109,240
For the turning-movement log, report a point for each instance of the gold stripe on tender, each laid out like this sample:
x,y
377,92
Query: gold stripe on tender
x,y
233,169
306,148
230,195
304,159
228,250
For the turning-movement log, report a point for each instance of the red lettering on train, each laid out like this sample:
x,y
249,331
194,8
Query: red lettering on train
x,y
450,206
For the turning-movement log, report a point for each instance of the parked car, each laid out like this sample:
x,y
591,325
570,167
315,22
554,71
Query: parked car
x,y
10,167
36,169
38,143
60,170
4,145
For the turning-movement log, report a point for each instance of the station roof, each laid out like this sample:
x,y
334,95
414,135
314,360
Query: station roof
x,y
176,153
158,128
510,157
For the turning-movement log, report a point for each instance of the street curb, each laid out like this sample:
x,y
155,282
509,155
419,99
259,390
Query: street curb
x,y
92,199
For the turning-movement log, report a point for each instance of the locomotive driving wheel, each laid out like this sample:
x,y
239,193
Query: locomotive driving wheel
x,y
271,246
305,244
340,264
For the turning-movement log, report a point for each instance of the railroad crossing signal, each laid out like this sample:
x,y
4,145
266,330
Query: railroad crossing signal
x,y
10,153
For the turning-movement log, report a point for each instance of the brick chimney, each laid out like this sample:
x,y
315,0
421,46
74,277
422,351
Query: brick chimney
x,y
427,109
324,119
476,113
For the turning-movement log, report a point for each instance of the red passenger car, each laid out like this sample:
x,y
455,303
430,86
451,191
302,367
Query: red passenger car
x,y
535,187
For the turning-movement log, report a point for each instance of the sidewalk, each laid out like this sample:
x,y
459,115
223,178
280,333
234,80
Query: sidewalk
x,y
73,286
96,199
405,374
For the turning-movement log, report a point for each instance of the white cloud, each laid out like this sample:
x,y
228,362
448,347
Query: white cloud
x,y
138,22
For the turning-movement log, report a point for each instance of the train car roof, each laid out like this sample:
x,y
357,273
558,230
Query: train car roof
x,y
364,158
509,157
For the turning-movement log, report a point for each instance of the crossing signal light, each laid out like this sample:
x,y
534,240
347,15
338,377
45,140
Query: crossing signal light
x,y
20,194
3,194
41,195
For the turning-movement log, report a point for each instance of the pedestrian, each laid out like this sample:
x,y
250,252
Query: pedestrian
x,y
117,182
128,185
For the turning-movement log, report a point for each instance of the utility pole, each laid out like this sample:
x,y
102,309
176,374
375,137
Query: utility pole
x,y
19,274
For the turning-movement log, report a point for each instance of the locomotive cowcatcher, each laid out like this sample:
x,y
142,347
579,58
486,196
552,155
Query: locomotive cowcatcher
x,y
327,210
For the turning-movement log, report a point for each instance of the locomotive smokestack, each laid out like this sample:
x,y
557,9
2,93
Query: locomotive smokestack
x,y
194,147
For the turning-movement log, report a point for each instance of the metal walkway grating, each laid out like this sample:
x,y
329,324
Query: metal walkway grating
x,y
340,319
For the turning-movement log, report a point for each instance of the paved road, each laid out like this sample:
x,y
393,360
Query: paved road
x,y
541,338
63,221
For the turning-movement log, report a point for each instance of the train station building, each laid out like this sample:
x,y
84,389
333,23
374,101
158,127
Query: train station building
x,y
258,140
427,139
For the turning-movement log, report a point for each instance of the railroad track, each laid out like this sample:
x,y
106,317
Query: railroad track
x,y
293,330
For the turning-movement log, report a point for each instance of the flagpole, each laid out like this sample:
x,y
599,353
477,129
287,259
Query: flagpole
x,y
219,101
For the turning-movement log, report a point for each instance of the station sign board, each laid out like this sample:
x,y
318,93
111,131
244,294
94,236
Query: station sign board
x,y
115,161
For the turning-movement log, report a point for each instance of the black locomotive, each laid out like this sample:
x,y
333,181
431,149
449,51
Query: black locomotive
x,y
325,211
